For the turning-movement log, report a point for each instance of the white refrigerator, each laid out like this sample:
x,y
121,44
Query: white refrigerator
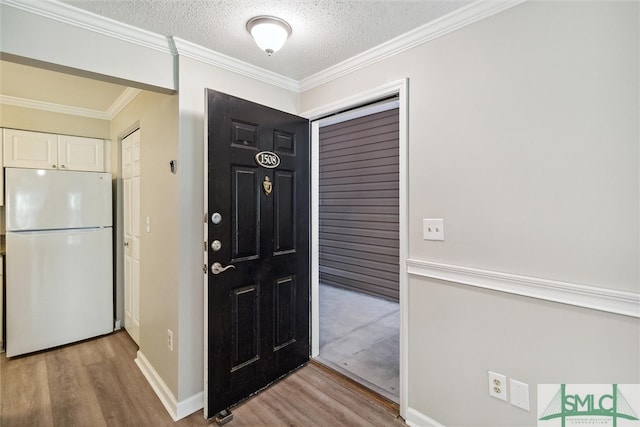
x,y
59,276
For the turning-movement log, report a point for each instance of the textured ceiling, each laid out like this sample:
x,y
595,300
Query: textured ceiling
x,y
325,32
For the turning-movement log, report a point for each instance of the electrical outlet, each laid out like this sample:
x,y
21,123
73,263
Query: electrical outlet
x,y
498,386
433,229
170,339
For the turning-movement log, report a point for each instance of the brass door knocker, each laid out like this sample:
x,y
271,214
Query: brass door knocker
x,y
266,184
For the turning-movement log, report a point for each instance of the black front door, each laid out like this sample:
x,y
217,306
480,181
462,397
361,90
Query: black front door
x,y
258,247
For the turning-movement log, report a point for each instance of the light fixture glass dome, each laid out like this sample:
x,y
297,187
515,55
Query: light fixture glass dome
x,y
269,32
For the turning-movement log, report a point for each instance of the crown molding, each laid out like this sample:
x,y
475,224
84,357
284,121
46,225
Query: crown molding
x,y
191,50
123,100
53,108
454,21
68,14
127,96
595,298
65,13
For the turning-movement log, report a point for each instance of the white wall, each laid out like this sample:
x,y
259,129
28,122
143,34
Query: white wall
x,y
37,36
523,134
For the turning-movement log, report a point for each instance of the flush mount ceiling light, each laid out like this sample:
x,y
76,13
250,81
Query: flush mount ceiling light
x,y
269,32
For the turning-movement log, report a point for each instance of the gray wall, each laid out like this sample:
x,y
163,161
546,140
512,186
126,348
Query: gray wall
x,y
523,136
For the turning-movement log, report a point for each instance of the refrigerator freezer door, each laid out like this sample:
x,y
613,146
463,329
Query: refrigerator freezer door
x,y
59,288
39,199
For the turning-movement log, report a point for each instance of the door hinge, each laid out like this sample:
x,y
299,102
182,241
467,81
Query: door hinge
x,y
204,268
205,217
205,246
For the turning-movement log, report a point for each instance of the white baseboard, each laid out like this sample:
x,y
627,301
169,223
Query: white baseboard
x,y
177,410
190,405
418,419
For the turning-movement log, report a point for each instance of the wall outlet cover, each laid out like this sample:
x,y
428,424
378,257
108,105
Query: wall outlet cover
x,y
497,386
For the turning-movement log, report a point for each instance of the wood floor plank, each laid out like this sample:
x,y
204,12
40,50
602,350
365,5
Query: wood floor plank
x,y
125,396
114,402
95,350
73,400
97,383
356,406
25,393
341,412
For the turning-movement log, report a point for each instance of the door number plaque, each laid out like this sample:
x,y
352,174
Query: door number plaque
x,y
267,159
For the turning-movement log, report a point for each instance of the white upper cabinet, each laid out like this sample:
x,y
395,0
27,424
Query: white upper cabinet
x,y
36,150
80,154
26,149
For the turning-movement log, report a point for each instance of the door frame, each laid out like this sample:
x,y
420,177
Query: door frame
x,y
401,89
118,218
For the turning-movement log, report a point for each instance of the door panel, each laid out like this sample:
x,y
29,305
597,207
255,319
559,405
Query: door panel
x,y
258,308
284,318
131,214
285,221
245,213
245,326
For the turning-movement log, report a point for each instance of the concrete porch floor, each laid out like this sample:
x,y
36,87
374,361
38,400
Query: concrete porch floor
x,y
359,337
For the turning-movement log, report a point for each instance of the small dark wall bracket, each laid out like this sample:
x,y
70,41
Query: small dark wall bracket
x,y
173,164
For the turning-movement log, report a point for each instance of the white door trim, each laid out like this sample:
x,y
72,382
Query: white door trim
x,y
399,88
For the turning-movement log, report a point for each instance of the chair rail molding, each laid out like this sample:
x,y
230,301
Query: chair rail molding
x,y
596,298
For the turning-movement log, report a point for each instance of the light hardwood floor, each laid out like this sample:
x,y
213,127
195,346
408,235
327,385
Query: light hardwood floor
x,y
96,383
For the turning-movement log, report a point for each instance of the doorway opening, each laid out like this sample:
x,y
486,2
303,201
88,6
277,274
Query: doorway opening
x,y
359,244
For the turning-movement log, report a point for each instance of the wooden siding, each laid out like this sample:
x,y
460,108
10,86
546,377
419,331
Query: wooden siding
x,y
359,204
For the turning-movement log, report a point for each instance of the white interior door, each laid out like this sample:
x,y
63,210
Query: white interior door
x,y
131,196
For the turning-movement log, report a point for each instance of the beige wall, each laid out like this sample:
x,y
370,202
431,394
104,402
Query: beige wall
x,y
523,136
157,117
46,121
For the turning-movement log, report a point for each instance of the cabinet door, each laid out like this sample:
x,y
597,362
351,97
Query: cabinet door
x,y
25,149
80,154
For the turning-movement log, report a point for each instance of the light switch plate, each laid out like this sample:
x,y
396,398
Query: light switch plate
x,y
519,394
433,229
